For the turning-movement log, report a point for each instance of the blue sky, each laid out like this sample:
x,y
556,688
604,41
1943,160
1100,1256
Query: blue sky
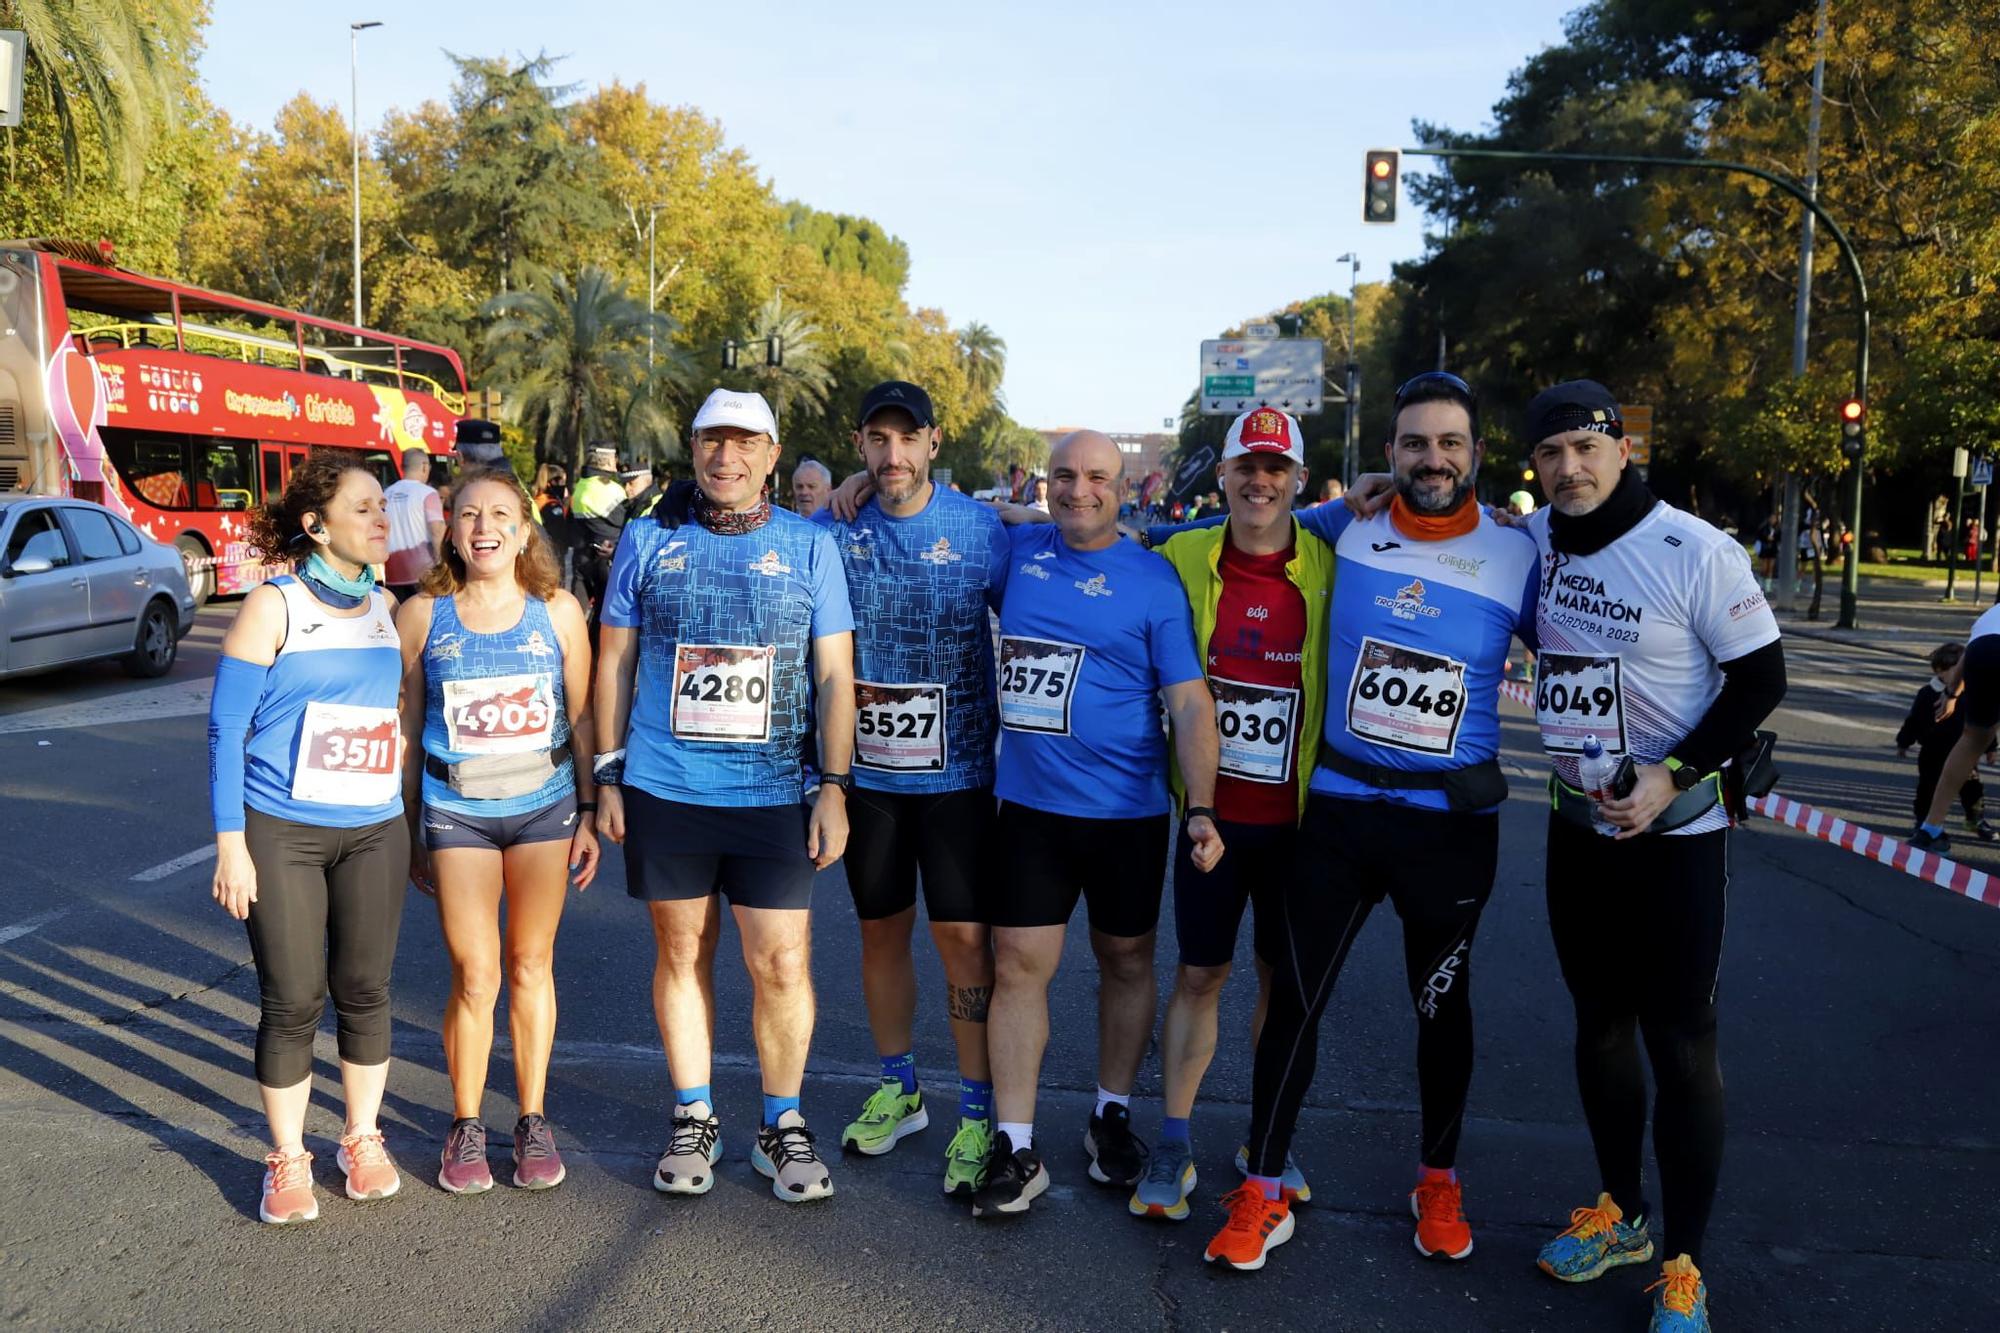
x,y
1105,185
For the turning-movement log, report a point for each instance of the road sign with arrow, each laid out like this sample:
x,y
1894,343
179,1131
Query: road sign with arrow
x,y
1238,374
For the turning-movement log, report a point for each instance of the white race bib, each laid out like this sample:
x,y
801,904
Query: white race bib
x,y
500,714
1037,681
1404,698
348,755
722,692
1258,729
1577,695
899,727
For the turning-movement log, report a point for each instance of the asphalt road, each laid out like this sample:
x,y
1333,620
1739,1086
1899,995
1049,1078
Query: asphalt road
x,y
1861,1190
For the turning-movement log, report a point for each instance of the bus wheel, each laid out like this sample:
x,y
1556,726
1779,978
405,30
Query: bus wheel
x,y
200,573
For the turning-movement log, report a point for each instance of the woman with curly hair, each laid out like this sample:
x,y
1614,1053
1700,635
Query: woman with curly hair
x,y
311,848
497,663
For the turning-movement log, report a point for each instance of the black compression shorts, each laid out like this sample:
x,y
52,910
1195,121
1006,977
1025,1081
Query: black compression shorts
x,y
753,855
893,836
1048,861
1208,908
1980,670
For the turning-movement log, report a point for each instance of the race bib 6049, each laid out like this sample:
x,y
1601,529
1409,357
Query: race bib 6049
x,y
1577,695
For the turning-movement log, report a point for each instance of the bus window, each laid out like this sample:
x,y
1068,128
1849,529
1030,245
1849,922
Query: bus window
x,y
225,474
155,466
274,473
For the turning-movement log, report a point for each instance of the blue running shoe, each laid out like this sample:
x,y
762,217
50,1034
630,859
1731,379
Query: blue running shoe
x,y
1292,1183
1682,1303
1598,1239
1163,1191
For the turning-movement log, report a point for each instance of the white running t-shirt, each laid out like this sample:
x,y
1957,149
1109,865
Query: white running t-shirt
x,y
413,507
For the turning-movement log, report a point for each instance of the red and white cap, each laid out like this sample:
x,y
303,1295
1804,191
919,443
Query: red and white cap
x,y
1265,430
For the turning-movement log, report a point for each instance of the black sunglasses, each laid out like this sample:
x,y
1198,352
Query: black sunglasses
x,y
1444,377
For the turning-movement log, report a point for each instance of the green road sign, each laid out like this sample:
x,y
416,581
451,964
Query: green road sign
x,y
1216,386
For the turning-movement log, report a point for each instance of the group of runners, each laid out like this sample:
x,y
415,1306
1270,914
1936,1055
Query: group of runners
x,y
1328,678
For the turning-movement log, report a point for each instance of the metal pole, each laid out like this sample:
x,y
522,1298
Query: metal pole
x,y
652,227
1979,566
1951,547
354,31
1788,541
1350,464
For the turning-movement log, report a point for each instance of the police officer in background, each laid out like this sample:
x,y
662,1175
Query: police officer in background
x,y
1657,641
596,517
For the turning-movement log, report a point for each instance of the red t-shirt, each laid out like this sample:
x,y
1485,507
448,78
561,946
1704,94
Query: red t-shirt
x,y
1254,671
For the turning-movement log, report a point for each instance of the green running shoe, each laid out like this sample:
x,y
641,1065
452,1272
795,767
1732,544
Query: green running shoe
x,y
888,1115
965,1159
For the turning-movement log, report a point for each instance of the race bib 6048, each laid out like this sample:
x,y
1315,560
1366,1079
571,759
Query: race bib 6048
x,y
1405,698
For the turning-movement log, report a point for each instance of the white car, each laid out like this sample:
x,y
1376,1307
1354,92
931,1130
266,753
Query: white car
x,y
79,583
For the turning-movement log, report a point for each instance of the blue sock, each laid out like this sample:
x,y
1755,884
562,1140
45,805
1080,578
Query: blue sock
x,y
1932,829
698,1093
902,1067
975,1099
1268,1184
777,1106
1174,1129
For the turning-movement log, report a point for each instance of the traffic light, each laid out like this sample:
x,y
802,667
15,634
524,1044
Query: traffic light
x,y
729,354
1379,197
1853,412
774,351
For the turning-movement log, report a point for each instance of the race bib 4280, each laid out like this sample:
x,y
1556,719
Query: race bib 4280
x,y
722,692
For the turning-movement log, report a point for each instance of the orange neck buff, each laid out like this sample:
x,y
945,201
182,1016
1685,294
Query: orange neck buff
x,y
1434,527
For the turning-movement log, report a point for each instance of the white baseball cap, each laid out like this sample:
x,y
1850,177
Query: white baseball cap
x,y
737,407
1265,430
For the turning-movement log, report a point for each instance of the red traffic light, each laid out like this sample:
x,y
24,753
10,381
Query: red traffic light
x,y
1379,194
1853,409
1381,168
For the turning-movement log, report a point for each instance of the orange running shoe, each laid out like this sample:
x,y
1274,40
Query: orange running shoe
x,y
1256,1225
366,1163
288,1189
1438,1205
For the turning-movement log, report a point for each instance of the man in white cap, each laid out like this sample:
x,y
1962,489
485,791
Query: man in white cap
x,y
724,618
1260,587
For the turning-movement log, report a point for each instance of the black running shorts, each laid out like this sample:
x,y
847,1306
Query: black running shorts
x,y
893,836
1047,861
753,855
1208,908
554,822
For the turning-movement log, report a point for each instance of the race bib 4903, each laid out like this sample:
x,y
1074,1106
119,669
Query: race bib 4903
x,y
1577,695
899,727
348,755
1405,698
1037,682
1257,727
500,714
722,692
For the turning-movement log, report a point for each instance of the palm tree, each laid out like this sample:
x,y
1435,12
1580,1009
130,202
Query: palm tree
x,y
570,355
123,62
804,377
985,355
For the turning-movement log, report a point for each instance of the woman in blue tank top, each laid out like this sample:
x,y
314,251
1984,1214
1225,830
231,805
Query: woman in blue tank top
x,y
311,847
497,682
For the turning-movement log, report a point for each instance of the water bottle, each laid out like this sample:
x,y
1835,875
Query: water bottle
x,y
1595,771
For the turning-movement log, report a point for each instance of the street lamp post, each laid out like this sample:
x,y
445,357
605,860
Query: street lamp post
x,y
652,283
1348,462
354,31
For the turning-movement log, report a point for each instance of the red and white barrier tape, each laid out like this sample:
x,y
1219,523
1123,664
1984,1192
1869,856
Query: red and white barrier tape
x,y
1892,852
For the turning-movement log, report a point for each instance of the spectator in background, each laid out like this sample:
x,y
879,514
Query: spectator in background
x,y
658,479
1017,484
1934,740
597,516
1038,494
416,526
551,492
1331,490
812,487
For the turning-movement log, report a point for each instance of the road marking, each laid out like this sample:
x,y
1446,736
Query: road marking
x,y
189,698
182,862
1830,720
8,934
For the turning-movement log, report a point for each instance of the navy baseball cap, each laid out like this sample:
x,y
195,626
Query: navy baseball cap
x,y
897,393
1574,405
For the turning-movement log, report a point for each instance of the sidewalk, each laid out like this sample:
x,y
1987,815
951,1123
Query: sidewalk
x,y
1899,616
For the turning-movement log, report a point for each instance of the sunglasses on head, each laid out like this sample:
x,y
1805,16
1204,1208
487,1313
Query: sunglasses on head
x,y
1444,377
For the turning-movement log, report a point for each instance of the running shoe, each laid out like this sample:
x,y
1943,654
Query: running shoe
x,y
1598,1239
371,1173
462,1167
888,1116
1682,1303
1292,1183
1163,1191
288,1189
965,1158
1438,1205
1256,1226
537,1164
688,1164
785,1153
1013,1180
1983,829
1936,844
1117,1157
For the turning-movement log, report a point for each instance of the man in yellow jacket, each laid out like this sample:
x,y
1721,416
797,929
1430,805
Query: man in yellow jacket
x,y
1260,587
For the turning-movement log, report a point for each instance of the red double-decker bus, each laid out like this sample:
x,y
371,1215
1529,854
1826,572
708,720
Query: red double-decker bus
x,y
183,408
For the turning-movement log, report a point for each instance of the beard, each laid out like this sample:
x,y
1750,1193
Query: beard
x,y
1432,501
899,487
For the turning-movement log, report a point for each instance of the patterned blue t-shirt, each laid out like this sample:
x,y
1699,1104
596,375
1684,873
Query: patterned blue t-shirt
x,y
494,694
1088,640
721,700
923,644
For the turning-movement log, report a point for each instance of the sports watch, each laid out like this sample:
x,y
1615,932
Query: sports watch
x,y
844,781
1685,778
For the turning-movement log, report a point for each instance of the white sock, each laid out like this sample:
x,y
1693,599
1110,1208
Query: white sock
x,y
1106,1097
1019,1134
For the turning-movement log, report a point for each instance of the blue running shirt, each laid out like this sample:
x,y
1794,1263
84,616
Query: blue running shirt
x,y
499,693
1088,639
1420,632
721,700
923,644
323,742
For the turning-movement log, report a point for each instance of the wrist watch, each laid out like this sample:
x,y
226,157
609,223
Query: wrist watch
x,y
844,781
1685,778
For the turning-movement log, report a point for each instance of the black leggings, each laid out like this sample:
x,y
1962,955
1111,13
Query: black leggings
x,y
1638,929
329,905
1437,869
1930,767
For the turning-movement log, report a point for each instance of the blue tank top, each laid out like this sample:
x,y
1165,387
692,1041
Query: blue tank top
x,y
323,746
499,693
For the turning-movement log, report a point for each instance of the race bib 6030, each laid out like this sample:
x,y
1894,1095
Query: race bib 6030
x,y
1257,728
